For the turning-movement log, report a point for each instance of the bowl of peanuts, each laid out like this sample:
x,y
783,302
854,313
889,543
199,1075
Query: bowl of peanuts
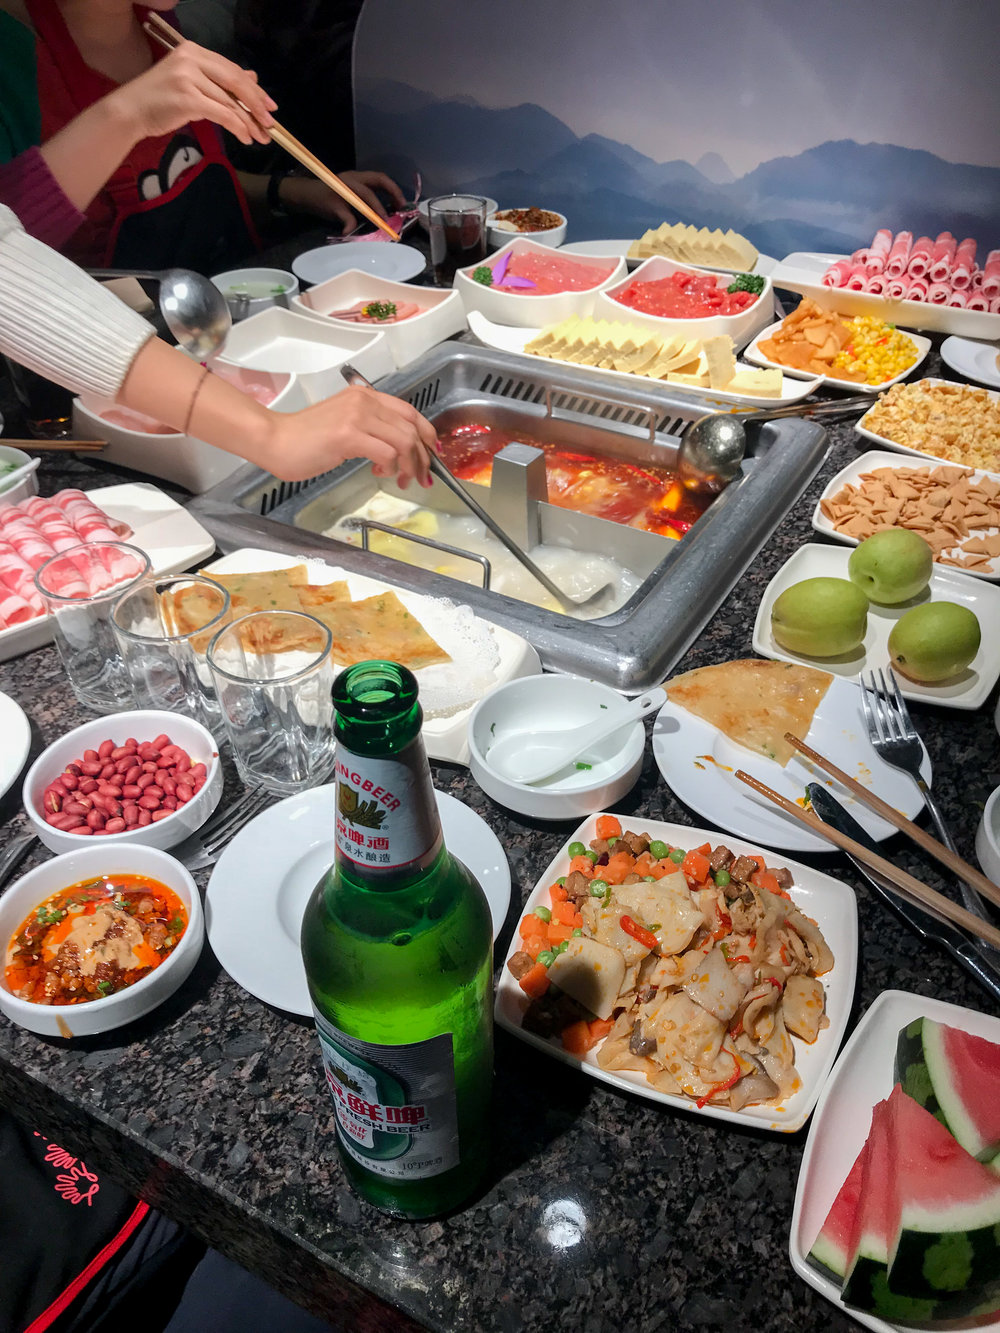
x,y
147,777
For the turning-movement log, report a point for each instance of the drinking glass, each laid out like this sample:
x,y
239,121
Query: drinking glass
x,y
163,628
274,679
79,587
457,227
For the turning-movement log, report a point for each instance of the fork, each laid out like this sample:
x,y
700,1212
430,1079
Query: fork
x,y
894,739
205,845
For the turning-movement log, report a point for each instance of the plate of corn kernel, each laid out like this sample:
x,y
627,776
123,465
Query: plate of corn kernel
x,y
863,353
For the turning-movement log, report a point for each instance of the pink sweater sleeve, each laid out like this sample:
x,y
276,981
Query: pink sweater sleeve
x,y
29,188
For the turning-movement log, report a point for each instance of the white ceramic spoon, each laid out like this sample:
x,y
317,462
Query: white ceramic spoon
x,y
530,756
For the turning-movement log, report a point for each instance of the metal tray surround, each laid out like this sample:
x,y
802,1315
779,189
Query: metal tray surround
x,y
635,646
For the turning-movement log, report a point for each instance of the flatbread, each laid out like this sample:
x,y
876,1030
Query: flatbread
x,y
379,627
753,702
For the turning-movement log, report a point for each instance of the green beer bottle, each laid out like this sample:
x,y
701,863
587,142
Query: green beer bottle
x,y
398,945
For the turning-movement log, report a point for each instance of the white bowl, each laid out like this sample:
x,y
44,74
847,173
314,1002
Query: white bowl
x,y
525,310
491,204
93,1016
741,328
231,282
441,315
11,495
553,702
499,233
988,838
144,725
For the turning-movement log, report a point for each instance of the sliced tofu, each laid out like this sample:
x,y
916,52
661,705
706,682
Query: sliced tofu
x,y
720,360
694,372
591,972
766,383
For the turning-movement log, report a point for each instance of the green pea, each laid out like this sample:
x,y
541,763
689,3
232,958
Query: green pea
x,y
598,888
649,879
678,855
547,956
658,850
561,880
577,849
722,878
592,857
612,841
577,933
543,914
562,946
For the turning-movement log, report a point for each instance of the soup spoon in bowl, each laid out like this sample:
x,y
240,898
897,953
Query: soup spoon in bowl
x,y
194,309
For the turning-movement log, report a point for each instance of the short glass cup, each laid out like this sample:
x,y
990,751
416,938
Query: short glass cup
x,y
79,587
274,679
163,628
456,225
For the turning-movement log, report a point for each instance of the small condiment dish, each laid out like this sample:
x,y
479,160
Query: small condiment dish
x,y
248,291
19,482
499,231
988,838
595,780
101,1015
144,725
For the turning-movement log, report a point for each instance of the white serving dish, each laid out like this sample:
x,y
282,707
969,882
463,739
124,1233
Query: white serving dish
x,y
285,342
973,360
886,443
868,462
144,725
756,357
230,282
27,485
555,702
531,311
830,903
969,689
802,271
863,1076
16,731
507,339
384,259
171,537
441,316
444,737
741,328
498,234
988,838
94,1016
175,457
421,206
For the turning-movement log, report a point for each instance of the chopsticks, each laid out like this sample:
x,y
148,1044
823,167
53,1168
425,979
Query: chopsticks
x,y
912,888
169,37
937,849
57,446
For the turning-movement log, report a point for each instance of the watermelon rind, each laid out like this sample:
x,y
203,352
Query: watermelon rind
x,y
956,1077
829,1252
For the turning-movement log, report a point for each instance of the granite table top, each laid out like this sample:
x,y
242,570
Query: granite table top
x,y
600,1210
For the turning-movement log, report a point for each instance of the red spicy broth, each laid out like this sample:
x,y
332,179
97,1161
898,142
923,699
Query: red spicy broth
x,y
645,495
94,939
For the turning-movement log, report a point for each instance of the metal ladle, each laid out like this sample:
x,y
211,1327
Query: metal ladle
x,y
444,474
712,446
194,309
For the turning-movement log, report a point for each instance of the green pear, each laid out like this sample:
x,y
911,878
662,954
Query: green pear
x,y
820,617
935,641
891,566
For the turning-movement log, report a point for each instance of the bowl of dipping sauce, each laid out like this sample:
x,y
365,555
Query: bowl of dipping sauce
x,y
97,938
12,488
988,838
595,780
250,290
541,224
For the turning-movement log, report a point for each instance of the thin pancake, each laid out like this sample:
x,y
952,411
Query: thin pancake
x,y
379,627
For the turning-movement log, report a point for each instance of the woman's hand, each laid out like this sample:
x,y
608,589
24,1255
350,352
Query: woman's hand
x,y
306,194
193,84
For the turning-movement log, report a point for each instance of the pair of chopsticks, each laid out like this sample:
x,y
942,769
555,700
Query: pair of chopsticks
x,y
912,888
57,446
169,37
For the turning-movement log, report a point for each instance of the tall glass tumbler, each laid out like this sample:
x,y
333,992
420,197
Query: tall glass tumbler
x,y
163,628
79,587
456,224
274,679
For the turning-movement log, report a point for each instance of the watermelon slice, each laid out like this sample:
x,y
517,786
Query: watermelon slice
x,y
956,1076
831,1247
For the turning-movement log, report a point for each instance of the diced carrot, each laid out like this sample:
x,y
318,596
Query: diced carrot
x,y
761,863
145,955
608,826
534,945
555,933
660,868
599,1029
765,880
531,925
564,913
705,849
695,866
619,865
578,921
535,982
576,1038
644,865
558,893
583,864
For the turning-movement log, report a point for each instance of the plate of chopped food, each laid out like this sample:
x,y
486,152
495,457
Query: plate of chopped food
x,y
720,719
957,423
874,1144
709,978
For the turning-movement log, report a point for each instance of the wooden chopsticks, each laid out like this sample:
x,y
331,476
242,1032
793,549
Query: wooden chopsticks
x,y
937,849
912,888
169,37
57,446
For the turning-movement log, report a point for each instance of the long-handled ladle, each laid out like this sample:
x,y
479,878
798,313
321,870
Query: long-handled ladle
x,y
194,309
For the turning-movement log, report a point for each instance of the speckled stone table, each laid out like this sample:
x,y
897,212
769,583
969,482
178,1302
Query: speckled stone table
x,y
601,1211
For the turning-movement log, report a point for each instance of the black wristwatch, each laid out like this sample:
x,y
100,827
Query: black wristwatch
x,y
274,205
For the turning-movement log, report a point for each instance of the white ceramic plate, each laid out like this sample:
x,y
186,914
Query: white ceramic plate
x,y
967,690
876,458
598,249
886,443
802,271
171,537
16,733
832,906
862,1077
756,357
506,338
978,361
261,884
699,764
444,737
386,261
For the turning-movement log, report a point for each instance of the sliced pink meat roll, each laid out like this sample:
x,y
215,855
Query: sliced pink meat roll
x,y
896,288
837,274
14,610
976,301
938,293
856,282
943,257
991,274
78,506
899,254
995,305
921,257
875,284
959,300
964,265
917,290
16,575
860,256
878,252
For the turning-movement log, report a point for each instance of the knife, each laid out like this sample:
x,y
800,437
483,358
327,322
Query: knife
x,y
965,951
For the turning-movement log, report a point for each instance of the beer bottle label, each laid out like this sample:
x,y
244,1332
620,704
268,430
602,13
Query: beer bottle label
x,y
395,1105
387,816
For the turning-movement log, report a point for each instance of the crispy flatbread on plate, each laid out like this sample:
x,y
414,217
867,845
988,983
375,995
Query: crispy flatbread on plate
x,y
379,627
754,702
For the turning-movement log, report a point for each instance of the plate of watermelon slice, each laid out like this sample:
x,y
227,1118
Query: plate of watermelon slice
x,y
897,1208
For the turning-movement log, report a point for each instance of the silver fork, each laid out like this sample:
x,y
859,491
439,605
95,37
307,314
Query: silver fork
x,y
894,739
206,845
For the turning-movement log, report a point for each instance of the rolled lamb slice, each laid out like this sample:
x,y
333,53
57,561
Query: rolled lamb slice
x,y
938,293
943,257
878,252
991,275
838,274
921,257
899,255
965,263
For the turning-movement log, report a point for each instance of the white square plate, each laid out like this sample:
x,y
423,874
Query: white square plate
x,y
886,443
756,357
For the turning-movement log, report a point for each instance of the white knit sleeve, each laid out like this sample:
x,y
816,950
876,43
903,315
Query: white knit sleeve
x,y
58,321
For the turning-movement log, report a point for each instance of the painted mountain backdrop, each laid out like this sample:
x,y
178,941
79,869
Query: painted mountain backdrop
x,y
831,197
